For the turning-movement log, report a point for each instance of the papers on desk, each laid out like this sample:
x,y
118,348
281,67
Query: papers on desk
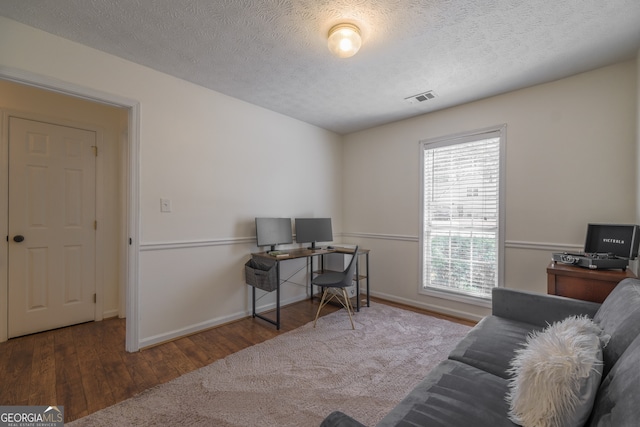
x,y
345,246
278,254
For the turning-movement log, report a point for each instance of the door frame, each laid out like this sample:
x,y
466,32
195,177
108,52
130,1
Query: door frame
x,y
132,204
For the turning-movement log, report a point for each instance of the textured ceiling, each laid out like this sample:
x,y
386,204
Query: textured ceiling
x,y
273,53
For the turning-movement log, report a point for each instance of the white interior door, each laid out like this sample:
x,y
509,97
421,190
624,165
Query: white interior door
x,y
51,226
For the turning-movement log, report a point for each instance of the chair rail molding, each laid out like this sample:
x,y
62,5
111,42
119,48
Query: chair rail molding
x,y
509,244
396,237
187,244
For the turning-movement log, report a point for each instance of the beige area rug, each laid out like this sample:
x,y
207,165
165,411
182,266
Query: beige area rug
x,y
298,378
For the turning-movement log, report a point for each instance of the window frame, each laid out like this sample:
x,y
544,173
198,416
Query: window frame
x,y
500,132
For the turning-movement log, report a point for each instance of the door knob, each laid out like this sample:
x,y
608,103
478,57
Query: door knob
x,y
18,238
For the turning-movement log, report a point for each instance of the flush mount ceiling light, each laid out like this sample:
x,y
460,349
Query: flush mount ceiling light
x,y
344,40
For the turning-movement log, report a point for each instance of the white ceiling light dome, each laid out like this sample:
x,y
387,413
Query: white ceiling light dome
x,y
344,40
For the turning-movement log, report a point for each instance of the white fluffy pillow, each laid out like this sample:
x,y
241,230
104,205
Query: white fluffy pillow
x,y
555,377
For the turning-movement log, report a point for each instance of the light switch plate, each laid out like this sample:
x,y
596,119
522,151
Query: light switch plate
x,y
165,205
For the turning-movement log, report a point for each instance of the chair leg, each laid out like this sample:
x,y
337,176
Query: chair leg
x,y
346,303
347,306
349,301
322,303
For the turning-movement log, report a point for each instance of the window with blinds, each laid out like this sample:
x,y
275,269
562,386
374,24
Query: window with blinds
x,y
461,236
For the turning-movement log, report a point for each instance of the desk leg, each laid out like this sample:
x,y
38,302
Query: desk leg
x,y
310,262
278,297
260,316
367,272
253,299
357,282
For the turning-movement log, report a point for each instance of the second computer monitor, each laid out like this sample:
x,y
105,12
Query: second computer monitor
x,y
312,230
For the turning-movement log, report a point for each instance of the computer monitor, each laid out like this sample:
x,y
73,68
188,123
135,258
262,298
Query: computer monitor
x,y
312,230
273,231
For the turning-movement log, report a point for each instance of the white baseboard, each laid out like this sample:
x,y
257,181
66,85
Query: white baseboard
x,y
431,307
191,329
110,313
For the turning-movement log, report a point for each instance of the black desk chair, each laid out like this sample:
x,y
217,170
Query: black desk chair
x,y
338,281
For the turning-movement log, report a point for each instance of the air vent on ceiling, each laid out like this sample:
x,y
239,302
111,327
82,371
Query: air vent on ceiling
x,y
421,97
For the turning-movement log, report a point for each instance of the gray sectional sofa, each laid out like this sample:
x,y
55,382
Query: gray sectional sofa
x,y
469,388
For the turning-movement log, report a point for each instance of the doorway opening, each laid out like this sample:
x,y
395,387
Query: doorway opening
x,y
115,123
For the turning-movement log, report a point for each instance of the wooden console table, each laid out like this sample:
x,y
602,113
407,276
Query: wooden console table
x,y
582,283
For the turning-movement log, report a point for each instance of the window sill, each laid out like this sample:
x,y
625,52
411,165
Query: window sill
x,y
453,296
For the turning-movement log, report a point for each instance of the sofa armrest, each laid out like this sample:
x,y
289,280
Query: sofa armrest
x,y
340,419
537,309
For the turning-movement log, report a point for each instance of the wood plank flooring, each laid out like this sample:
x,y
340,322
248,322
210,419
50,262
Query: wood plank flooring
x,y
85,367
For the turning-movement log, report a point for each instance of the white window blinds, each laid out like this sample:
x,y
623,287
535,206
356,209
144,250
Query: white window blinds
x,y
461,214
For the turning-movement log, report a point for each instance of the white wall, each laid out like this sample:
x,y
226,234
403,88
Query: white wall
x,y
219,160
571,160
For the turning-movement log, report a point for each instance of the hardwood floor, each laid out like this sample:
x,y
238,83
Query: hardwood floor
x,y
85,367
